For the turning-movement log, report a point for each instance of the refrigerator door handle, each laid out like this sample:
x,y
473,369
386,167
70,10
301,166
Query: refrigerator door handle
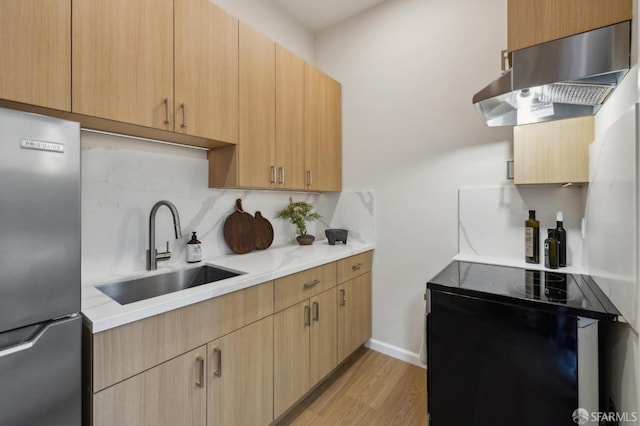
x,y
28,344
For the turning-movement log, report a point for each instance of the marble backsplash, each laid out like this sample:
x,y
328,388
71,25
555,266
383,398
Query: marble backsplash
x,y
491,219
123,178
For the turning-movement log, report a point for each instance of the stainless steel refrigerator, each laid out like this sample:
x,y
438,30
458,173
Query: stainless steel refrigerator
x,y
40,324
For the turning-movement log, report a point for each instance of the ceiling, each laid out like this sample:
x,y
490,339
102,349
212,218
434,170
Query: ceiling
x,y
318,15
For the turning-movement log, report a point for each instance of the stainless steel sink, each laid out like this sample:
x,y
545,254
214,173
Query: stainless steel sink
x,y
130,291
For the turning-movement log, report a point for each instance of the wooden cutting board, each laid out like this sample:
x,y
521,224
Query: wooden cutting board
x,y
264,232
240,230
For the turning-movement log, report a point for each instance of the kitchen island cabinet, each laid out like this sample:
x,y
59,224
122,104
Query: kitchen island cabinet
x,y
35,46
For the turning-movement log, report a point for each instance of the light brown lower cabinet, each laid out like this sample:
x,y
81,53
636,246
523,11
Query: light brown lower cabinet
x,y
250,364
240,377
304,348
172,393
354,314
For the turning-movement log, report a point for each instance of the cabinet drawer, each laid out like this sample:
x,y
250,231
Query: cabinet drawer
x,y
354,266
294,288
123,351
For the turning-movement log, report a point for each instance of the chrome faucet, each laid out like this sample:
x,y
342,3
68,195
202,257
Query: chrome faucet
x,y
152,254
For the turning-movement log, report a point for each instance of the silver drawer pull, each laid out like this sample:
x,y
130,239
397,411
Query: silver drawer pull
x,y
166,111
357,266
200,382
218,372
311,284
307,315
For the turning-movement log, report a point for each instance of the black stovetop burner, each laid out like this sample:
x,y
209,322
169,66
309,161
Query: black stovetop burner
x,y
554,291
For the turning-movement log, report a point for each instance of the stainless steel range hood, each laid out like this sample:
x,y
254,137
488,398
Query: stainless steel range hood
x,y
569,77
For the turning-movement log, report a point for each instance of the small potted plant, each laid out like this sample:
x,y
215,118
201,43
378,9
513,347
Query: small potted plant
x,y
299,213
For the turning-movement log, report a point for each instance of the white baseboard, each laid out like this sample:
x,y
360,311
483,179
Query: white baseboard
x,y
395,352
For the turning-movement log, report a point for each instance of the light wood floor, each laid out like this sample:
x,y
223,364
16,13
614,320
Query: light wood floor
x,y
369,389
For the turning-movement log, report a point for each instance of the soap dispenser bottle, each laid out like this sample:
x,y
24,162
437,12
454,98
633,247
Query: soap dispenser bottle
x,y
194,249
532,238
561,234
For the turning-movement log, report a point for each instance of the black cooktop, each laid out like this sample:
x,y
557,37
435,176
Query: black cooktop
x,y
571,294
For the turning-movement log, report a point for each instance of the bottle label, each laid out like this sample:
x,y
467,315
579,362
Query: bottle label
x,y
528,241
194,253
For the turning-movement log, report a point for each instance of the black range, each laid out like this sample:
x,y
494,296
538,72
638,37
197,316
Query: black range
x,y
509,346
551,291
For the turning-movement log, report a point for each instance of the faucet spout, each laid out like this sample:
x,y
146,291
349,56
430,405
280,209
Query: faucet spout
x,y
152,254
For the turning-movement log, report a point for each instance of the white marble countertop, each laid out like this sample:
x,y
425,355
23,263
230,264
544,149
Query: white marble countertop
x,y
101,313
503,261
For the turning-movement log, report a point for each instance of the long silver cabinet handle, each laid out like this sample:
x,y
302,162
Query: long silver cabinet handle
x,y
200,382
184,115
273,174
357,266
26,345
307,315
166,111
281,181
311,284
316,311
218,372
309,178
343,297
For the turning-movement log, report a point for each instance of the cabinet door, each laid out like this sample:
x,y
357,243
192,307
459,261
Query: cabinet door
x,y
290,356
36,65
553,152
323,351
289,119
122,61
240,376
323,131
537,21
354,314
256,146
170,394
206,71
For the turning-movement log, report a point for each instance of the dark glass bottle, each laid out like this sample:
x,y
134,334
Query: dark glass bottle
x,y
532,238
562,241
551,249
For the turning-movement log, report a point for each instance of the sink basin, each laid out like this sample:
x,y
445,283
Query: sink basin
x,y
130,291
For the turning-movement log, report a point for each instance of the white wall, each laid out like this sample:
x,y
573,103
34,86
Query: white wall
x,y
274,22
408,70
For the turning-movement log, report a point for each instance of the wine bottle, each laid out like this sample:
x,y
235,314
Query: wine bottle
x,y
562,241
551,249
532,238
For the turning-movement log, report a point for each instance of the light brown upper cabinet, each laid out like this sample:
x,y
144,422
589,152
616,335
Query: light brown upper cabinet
x,y
256,146
122,61
270,152
206,71
35,42
323,131
532,22
553,152
289,119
